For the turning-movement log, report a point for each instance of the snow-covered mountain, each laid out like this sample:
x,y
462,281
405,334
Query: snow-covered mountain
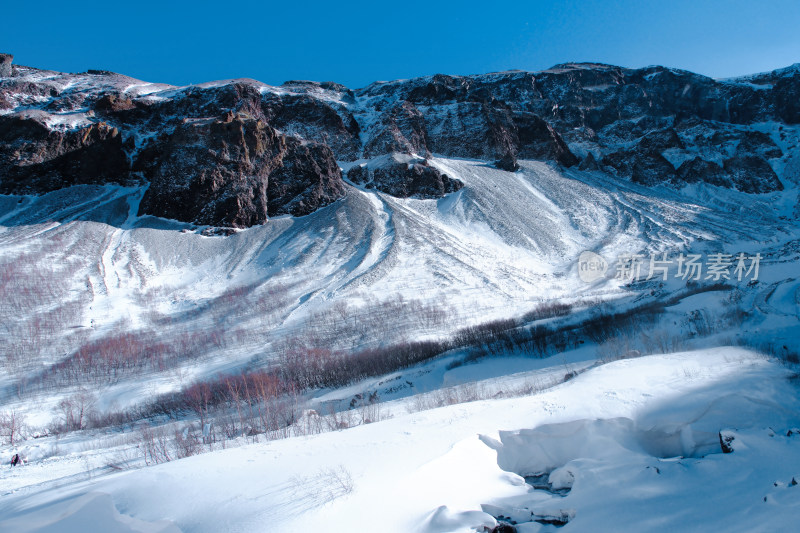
x,y
209,266
236,152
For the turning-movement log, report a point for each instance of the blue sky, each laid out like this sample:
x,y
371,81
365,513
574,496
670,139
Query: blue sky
x,y
359,42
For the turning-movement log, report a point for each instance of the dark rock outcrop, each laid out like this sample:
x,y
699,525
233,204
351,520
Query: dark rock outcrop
x,y
314,119
35,158
539,140
698,169
113,102
757,143
645,168
403,176
235,171
660,140
726,440
508,163
589,163
472,130
6,70
307,179
751,174
786,94
402,129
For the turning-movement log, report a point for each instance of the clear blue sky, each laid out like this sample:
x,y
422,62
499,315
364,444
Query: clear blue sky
x,y
355,43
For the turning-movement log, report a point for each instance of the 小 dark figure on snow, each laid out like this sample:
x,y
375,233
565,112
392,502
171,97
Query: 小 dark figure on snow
x,y
15,460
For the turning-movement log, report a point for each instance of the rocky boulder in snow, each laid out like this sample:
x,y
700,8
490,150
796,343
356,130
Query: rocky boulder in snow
x,y
508,163
726,439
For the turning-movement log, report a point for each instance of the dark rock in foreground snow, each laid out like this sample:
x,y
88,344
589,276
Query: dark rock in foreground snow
x,y
726,440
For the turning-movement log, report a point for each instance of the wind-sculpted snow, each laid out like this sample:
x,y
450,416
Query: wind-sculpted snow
x,y
432,471
670,450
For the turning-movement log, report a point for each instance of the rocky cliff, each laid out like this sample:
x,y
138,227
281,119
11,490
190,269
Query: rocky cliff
x,y
234,153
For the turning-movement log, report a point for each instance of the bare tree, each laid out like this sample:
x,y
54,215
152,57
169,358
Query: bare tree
x,y
76,410
12,424
198,397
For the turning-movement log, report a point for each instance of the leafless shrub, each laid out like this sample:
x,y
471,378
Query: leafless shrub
x,y
373,322
310,366
467,392
38,308
548,310
186,443
123,459
783,351
115,356
340,480
475,391
12,426
75,412
155,444
325,486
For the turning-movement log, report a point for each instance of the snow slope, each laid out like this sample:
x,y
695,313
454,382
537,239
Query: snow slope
x,y
636,441
503,245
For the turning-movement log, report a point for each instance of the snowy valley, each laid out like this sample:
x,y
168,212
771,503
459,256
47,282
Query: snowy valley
x,y
238,307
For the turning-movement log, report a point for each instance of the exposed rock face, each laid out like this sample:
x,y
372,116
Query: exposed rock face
x,y
35,158
457,117
751,174
6,71
307,179
698,169
654,115
726,441
401,129
589,163
235,171
235,153
403,176
539,140
113,102
325,121
230,169
508,163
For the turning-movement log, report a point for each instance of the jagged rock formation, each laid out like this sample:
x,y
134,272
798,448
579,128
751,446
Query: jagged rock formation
x,y
403,176
235,171
37,158
207,153
238,152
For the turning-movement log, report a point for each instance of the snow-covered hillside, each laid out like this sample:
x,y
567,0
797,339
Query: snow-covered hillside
x,y
373,322
504,245
627,446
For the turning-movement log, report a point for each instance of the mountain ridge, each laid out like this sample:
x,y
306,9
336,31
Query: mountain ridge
x,y
238,152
